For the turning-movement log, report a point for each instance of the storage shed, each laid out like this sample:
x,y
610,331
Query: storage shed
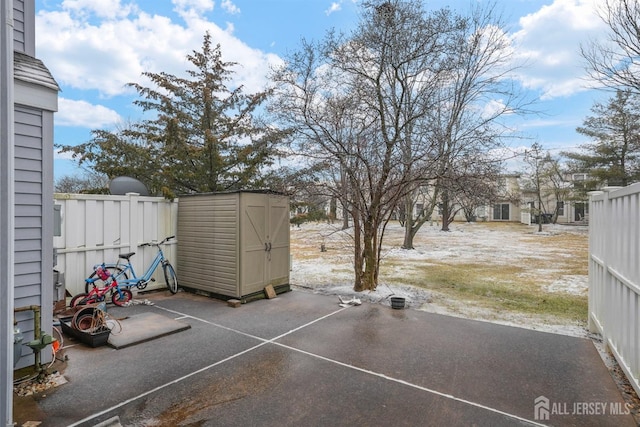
x,y
233,244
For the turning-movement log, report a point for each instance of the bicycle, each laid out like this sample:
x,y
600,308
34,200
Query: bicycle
x,y
121,272
119,296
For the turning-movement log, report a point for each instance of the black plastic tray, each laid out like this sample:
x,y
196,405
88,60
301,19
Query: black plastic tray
x,y
93,339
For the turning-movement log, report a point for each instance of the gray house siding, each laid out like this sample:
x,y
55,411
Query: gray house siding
x,y
35,99
33,252
23,19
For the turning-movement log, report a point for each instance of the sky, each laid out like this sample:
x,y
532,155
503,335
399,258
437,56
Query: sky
x,y
94,48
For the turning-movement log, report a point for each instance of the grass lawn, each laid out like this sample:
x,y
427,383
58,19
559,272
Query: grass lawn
x,y
495,268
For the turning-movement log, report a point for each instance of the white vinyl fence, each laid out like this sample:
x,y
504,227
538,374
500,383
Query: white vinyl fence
x,y
614,274
96,228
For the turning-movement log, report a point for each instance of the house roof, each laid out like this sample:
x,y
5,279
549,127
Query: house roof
x,y
29,69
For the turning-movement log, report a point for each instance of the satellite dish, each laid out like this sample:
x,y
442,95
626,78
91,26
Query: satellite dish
x,y
124,184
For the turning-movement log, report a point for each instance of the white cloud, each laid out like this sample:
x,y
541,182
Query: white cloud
x,y
549,41
105,55
83,114
198,6
230,7
335,7
109,9
493,108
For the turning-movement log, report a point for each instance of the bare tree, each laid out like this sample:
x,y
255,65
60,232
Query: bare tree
x,y
557,187
88,182
614,62
355,102
477,186
475,93
537,164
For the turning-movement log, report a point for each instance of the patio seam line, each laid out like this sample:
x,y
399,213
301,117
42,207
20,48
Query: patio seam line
x,y
205,368
383,376
416,386
160,387
264,341
253,336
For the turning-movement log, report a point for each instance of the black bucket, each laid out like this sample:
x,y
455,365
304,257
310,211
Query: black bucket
x,y
397,302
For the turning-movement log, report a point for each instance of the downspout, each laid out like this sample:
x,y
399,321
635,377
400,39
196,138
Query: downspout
x,y
7,209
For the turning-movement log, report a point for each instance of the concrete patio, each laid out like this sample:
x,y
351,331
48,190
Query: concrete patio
x,y
300,359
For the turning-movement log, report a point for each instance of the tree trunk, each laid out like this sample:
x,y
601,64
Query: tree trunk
x,y
358,258
539,213
445,211
345,212
366,254
333,210
370,254
419,221
409,232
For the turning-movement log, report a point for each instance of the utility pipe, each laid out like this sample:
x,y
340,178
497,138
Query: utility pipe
x,y
37,329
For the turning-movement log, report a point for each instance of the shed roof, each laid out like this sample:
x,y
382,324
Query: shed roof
x,y
258,191
32,70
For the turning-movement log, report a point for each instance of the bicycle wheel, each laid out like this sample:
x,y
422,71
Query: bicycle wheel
x,y
82,299
121,300
94,281
170,277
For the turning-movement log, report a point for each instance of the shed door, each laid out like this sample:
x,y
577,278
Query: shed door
x,y
265,242
278,256
254,245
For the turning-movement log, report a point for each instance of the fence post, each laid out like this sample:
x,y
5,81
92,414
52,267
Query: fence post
x,y
604,227
134,226
593,229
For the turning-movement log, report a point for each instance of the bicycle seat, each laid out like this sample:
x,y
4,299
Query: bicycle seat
x,y
127,255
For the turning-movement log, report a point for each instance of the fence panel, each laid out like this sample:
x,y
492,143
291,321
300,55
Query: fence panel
x,y
96,228
614,274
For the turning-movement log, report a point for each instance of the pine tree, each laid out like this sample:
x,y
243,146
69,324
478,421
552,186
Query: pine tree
x,y
205,135
614,156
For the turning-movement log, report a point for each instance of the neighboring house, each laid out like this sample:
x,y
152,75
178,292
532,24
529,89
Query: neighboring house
x,y
563,199
507,206
514,199
35,99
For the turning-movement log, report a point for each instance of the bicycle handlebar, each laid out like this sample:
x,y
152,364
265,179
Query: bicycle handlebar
x,y
166,239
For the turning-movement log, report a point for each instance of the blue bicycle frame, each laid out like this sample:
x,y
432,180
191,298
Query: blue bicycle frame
x,y
120,270
135,280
